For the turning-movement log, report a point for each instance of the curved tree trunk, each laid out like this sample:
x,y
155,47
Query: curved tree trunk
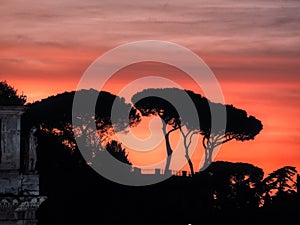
x,y
209,144
187,155
168,148
207,160
190,163
208,150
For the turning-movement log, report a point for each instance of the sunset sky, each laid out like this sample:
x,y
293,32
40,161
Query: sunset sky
x,y
252,47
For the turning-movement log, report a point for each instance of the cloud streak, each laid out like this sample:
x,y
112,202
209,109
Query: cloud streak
x,y
219,25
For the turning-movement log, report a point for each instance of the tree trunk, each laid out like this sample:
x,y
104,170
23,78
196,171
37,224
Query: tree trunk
x,y
168,148
190,163
208,150
187,155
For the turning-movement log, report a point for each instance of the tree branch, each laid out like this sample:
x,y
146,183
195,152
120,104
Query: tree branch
x,y
176,128
222,142
219,138
203,142
190,139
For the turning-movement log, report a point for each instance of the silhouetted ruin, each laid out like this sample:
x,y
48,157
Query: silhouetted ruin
x,y
19,186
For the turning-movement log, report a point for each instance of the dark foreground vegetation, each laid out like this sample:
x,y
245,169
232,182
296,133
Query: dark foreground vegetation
x,y
230,193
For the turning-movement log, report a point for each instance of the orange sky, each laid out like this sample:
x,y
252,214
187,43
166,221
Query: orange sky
x,y
251,47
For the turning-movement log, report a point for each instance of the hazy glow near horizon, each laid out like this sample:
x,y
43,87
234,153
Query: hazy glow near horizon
x,y
252,48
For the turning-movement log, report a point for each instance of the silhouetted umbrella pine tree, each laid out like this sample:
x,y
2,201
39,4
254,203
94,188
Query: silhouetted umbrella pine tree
x,y
164,103
156,102
239,125
53,115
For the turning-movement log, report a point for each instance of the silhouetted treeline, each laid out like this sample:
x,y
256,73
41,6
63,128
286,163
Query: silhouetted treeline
x,y
86,119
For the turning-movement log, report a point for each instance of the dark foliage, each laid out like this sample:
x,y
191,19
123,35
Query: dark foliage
x,y
224,193
9,96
